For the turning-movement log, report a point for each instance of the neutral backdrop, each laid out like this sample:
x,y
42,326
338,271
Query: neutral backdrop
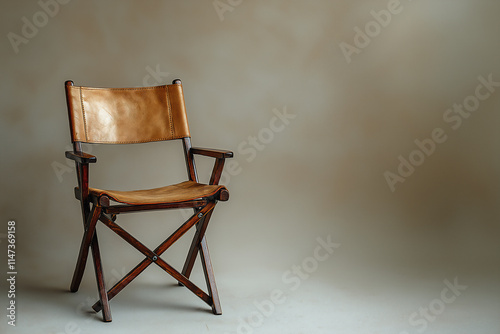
x,y
361,84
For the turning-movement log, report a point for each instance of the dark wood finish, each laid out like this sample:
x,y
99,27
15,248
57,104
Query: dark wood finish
x,y
128,237
82,174
188,155
84,249
212,152
81,157
158,251
98,208
104,201
186,282
165,266
101,287
193,249
209,276
217,171
224,195
124,282
183,229
150,207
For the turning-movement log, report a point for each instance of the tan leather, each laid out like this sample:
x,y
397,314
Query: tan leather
x,y
185,191
127,115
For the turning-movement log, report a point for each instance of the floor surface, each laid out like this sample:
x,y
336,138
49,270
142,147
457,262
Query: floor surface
x,y
316,297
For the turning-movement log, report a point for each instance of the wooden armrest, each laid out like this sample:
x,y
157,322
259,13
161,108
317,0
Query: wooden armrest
x,y
219,154
81,157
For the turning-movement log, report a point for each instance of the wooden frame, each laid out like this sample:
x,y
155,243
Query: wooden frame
x,y
98,208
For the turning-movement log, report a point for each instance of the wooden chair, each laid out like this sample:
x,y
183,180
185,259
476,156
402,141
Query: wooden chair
x,y
140,115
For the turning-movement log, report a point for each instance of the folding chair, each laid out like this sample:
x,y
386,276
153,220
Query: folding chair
x,y
140,115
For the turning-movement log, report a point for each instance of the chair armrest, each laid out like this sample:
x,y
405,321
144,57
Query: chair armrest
x,y
219,154
81,157
220,157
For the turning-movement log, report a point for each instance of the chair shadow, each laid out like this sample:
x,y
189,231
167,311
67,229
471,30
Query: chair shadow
x,y
168,291
165,297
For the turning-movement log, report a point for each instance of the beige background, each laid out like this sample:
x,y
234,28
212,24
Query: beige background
x,y
322,174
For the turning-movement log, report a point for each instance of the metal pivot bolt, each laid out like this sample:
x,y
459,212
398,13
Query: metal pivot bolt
x,y
200,215
155,258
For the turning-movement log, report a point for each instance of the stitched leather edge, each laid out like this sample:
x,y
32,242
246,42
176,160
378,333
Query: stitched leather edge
x,y
83,113
169,107
132,142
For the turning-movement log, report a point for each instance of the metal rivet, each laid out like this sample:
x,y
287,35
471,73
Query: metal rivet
x,y
155,258
200,215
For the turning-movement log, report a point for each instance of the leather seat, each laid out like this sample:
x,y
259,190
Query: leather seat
x,y
181,192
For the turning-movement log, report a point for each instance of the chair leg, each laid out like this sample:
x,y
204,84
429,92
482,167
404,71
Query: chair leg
x,y
199,243
123,282
84,249
209,276
101,287
193,250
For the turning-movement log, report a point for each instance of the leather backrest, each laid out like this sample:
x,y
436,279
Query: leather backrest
x,y
127,115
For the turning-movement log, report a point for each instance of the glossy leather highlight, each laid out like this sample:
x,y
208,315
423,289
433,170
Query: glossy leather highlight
x,y
127,115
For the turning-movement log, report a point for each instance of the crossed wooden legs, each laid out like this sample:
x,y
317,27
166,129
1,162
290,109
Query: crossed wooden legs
x,y
200,219
199,244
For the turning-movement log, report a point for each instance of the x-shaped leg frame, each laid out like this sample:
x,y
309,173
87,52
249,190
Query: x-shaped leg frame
x,y
200,219
199,243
